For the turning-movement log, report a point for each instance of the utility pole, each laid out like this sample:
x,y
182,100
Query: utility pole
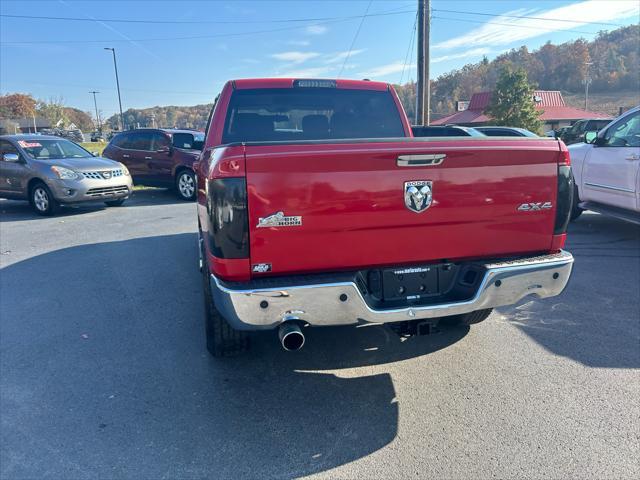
x,y
95,104
586,82
115,65
424,87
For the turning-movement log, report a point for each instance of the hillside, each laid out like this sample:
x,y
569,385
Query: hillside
x,y
170,116
615,73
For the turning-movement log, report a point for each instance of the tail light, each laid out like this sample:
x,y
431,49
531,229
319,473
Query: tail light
x,y
228,218
564,200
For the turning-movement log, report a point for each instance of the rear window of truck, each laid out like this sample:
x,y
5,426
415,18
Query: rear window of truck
x,y
290,114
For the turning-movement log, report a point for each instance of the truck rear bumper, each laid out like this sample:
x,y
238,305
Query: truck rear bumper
x,y
274,301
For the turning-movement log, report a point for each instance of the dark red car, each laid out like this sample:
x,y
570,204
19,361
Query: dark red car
x,y
159,157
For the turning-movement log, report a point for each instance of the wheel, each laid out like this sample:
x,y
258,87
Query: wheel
x,y
222,340
115,203
576,211
467,319
42,200
186,184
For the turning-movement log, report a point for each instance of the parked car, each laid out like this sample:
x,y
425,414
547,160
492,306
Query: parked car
x,y
607,169
97,137
49,171
490,131
444,131
318,208
576,133
159,157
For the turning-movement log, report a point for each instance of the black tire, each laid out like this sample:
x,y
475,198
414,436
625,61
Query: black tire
x,y
186,185
42,200
115,203
222,340
576,211
467,319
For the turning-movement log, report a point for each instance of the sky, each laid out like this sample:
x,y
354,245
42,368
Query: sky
x,y
182,52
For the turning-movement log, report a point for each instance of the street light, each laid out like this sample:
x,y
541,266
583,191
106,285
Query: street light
x,y
95,103
115,65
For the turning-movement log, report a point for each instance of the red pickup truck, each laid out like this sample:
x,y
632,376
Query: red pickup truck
x,y
317,207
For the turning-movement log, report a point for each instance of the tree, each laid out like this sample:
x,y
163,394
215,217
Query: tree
x,y
81,119
17,105
512,101
54,111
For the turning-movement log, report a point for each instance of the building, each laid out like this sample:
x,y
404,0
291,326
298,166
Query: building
x,y
555,114
22,125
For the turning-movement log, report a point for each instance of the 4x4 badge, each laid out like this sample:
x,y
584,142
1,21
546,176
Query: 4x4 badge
x,y
418,195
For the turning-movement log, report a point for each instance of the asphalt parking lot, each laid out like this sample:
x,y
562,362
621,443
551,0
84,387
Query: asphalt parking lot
x,y
104,371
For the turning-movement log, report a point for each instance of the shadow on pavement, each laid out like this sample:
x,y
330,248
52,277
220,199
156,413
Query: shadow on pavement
x,y
104,373
596,320
18,210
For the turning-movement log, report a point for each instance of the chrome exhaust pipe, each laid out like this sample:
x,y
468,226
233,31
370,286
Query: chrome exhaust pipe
x,y
291,337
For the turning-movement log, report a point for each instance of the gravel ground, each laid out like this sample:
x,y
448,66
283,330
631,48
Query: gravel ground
x,y
104,372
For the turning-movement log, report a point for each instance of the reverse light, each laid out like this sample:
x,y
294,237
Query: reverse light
x,y
64,173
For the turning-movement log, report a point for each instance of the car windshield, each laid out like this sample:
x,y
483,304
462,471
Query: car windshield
x,y
45,149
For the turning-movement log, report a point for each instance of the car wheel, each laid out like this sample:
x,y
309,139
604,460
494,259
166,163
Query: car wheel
x,y
222,340
576,211
186,184
42,200
115,203
467,319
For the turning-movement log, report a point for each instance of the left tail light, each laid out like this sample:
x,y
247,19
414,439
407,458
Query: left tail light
x,y
229,225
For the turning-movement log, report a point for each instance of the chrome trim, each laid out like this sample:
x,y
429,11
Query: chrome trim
x,y
610,187
421,160
320,304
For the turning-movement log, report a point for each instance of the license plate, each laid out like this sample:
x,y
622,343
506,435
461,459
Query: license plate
x,y
410,283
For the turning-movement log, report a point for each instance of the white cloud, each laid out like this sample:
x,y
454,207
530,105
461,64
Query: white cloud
x,y
388,69
340,56
294,57
316,29
312,72
506,30
476,52
299,43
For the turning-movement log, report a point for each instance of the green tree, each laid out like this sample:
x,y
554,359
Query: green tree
x,y
54,111
512,101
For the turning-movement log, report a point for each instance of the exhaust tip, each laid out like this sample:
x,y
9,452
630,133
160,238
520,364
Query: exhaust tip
x,y
291,337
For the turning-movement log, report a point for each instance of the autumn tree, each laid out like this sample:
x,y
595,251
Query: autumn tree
x,y
54,111
17,105
512,101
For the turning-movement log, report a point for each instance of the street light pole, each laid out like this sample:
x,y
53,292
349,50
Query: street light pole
x,y
115,65
95,104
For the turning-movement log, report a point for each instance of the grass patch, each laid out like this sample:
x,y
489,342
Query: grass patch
x,y
94,146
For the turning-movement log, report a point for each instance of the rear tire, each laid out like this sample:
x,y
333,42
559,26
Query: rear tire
x,y
42,200
115,203
186,185
467,319
222,340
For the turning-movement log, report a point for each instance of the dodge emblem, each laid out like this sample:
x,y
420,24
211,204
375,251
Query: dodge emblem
x,y
417,195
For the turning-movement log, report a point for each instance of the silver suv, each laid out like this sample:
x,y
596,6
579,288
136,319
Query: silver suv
x,y
51,171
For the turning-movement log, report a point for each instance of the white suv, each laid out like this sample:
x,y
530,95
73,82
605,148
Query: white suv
x,y
607,169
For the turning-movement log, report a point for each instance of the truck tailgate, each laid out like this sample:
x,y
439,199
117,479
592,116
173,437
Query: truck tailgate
x,y
354,213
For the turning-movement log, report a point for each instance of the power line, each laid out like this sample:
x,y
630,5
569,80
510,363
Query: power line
x,y
199,37
529,17
223,22
353,42
530,27
410,48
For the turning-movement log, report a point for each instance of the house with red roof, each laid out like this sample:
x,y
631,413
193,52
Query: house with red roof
x,y
555,113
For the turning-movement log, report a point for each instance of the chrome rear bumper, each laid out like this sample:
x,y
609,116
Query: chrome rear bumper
x,y
323,304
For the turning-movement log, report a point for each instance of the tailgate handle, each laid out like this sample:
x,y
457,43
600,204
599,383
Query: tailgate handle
x,y
421,160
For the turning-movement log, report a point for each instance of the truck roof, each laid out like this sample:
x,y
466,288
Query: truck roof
x,y
250,83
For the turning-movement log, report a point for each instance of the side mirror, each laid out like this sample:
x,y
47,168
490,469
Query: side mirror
x,y
590,137
11,157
